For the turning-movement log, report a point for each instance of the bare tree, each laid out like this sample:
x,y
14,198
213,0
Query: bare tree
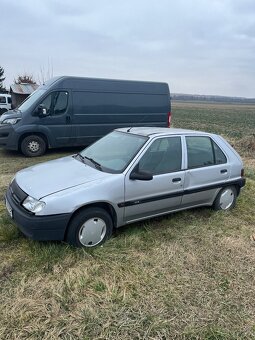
x,y
45,73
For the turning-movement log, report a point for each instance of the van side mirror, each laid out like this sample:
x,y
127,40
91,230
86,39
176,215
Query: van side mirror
x,y
42,111
140,175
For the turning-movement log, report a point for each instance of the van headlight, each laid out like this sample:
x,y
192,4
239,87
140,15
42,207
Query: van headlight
x,y
33,205
11,121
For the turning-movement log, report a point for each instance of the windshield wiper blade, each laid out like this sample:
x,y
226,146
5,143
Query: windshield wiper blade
x,y
80,156
98,165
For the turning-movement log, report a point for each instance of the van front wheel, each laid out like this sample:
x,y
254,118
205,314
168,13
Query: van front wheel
x,y
33,146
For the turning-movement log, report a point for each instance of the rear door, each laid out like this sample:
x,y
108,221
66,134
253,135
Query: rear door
x,y
207,168
163,158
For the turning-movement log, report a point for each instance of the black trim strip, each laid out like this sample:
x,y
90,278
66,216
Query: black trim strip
x,y
240,183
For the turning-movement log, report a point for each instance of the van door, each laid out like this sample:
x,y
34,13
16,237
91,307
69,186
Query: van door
x,y
57,117
163,193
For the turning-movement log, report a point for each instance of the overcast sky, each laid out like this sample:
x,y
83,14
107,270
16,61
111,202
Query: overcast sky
x,y
197,46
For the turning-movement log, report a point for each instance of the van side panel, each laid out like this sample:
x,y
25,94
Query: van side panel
x,y
97,113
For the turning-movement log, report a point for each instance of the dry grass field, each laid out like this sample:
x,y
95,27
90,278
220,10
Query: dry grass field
x,y
190,275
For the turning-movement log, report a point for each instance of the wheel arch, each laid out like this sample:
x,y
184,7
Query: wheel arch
x,y
103,205
26,134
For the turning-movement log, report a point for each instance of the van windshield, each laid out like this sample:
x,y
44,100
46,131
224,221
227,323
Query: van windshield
x,y
30,100
115,151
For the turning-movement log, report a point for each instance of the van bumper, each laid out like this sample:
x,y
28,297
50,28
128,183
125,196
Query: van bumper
x,y
8,137
40,228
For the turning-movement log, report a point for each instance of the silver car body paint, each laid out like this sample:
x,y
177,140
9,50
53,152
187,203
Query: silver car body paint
x,y
66,184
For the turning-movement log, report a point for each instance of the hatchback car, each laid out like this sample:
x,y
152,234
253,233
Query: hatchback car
x,y
129,175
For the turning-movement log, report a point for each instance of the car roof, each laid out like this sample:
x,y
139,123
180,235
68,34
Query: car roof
x,y
157,131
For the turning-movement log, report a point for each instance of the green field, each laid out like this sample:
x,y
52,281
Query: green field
x,y
190,275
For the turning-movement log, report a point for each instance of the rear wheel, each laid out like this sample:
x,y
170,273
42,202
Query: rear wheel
x,y
33,146
226,199
90,228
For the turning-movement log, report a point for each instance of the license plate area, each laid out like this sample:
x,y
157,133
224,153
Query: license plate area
x,y
9,208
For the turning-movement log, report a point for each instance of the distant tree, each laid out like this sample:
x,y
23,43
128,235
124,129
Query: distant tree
x,y
25,78
45,73
2,78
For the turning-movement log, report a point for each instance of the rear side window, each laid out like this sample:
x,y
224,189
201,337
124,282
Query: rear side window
x,y
2,100
203,151
9,100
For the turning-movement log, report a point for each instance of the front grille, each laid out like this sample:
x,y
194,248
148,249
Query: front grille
x,y
17,193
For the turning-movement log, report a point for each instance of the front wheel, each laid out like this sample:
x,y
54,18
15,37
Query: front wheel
x,y
33,146
90,228
226,199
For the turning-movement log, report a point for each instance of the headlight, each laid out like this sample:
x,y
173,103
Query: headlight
x,y
33,204
10,121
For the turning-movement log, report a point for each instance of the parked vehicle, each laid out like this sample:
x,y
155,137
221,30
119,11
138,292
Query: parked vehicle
x,y
129,175
5,102
70,111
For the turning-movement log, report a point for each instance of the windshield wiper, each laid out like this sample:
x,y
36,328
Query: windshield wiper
x,y
98,165
79,156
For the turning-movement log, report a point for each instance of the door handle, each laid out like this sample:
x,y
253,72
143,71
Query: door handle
x,y
178,179
223,171
68,119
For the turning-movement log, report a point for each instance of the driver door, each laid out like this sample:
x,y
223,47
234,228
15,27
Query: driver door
x,y
58,119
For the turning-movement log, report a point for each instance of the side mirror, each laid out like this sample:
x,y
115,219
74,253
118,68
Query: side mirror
x,y
140,175
42,111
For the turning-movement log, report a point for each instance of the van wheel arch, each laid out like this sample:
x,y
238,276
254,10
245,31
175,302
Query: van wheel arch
x,y
103,205
28,134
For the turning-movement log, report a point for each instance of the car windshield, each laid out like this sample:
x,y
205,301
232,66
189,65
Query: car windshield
x,y
114,151
30,100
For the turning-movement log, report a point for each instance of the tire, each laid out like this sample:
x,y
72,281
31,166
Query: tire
x,y
33,146
91,227
226,199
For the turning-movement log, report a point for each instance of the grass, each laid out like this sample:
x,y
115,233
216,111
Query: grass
x,y
189,275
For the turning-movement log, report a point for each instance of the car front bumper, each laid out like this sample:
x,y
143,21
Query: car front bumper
x,y
40,228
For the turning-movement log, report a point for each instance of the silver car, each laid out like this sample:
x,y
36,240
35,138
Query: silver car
x,y
129,175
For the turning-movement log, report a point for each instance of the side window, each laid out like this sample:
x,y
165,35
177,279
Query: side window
x,y
220,158
60,102
56,103
163,156
2,100
9,100
47,102
202,151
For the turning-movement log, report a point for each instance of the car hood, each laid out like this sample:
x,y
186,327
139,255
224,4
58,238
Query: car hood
x,y
50,177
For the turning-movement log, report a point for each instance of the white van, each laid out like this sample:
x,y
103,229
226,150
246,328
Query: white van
x,y
5,102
